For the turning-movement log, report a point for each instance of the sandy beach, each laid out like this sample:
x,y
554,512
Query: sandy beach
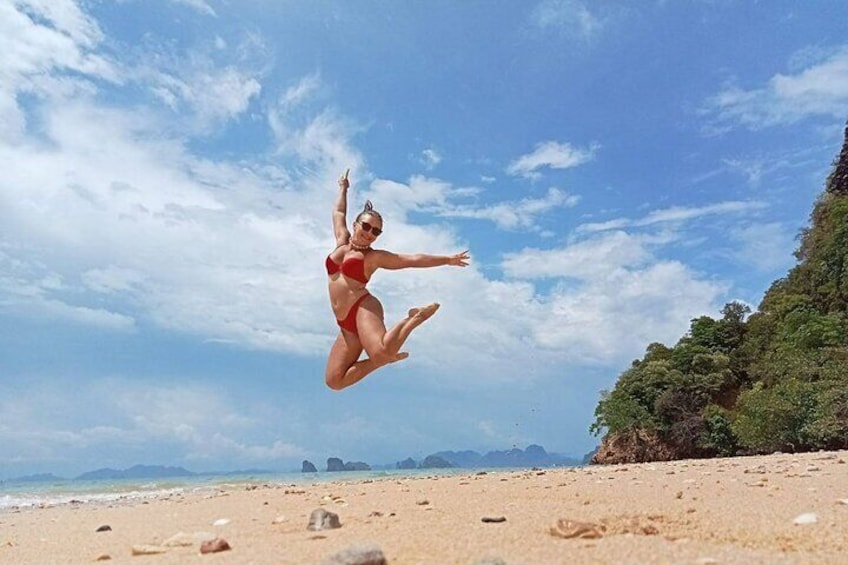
x,y
781,508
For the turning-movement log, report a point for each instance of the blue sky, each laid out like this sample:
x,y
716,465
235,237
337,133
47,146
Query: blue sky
x,y
168,168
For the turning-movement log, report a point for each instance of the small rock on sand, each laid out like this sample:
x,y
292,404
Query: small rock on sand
x,y
214,546
104,528
357,555
805,519
320,519
574,529
104,557
493,519
221,522
146,549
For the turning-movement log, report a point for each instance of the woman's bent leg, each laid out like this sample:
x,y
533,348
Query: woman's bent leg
x,y
343,355
343,367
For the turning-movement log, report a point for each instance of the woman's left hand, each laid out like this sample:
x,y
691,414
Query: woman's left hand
x,y
460,259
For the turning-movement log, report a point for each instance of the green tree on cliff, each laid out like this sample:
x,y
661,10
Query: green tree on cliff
x,y
774,380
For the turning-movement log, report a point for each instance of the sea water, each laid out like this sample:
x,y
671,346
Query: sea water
x,y
23,495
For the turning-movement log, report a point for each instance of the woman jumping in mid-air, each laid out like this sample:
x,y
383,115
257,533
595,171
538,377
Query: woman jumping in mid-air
x,y
358,313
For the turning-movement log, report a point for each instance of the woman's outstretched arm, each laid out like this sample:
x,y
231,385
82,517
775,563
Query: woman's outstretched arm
x,y
340,211
394,261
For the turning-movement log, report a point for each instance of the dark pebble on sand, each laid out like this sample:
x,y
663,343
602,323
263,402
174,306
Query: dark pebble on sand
x,y
493,519
104,528
214,546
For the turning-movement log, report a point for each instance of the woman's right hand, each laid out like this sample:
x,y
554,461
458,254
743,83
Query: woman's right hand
x,y
460,259
343,182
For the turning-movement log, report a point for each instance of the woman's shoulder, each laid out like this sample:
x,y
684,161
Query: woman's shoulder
x,y
377,253
379,258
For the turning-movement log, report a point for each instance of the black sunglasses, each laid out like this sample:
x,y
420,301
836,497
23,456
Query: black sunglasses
x,y
369,228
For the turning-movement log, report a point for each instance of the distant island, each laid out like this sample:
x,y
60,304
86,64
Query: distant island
x,y
532,456
132,473
135,472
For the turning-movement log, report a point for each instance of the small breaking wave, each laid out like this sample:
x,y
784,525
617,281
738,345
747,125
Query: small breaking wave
x,y
24,500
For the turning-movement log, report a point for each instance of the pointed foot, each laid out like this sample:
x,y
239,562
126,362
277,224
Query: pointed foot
x,y
424,312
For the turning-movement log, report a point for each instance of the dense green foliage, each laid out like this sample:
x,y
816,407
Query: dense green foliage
x,y
776,379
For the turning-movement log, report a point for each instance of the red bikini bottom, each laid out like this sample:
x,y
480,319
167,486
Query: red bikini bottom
x,y
349,323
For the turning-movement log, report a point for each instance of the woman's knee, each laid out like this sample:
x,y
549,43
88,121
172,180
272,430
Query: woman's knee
x,y
334,380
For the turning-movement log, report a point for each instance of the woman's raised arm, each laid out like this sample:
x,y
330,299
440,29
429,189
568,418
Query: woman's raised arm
x,y
340,212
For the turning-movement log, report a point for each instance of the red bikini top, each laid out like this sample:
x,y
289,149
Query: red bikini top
x,y
352,267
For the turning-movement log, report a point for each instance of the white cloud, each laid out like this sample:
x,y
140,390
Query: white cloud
x,y
320,137
81,314
211,94
126,415
200,5
191,245
767,247
111,206
594,258
572,17
621,296
295,95
614,318
219,447
63,16
204,86
110,202
48,49
752,169
820,89
26,289
550,154
430,158
677,214
422,193
441,198
515,215
685,213
602,301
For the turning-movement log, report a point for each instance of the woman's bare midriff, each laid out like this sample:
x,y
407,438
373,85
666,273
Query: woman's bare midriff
x,y
343,295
